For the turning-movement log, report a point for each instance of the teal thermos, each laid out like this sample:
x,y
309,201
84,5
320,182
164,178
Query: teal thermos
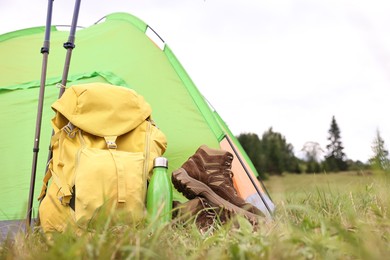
x,y
159,194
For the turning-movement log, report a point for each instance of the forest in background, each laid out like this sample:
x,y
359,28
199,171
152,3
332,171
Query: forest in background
x,y
273,155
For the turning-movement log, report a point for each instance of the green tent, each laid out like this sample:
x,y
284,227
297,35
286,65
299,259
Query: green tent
x,y
119,51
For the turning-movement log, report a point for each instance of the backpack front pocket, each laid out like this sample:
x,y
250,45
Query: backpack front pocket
x,y
107,179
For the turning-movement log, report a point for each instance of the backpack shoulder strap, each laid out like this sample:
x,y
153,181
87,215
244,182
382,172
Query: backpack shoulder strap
x,y
58,178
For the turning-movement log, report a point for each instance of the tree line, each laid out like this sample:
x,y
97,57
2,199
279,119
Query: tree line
x,y
273,155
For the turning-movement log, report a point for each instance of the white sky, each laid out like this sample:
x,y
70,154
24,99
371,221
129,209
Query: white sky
x,y
286,64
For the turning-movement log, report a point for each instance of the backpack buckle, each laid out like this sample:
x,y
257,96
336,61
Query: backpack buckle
x,y
69,129
110,141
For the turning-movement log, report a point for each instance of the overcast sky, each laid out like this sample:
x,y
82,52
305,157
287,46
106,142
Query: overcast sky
x,y
290,64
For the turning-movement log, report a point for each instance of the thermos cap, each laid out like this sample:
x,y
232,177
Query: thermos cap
x,y
160,162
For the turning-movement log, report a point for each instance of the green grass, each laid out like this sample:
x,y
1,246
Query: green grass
x,y
327,216
334,216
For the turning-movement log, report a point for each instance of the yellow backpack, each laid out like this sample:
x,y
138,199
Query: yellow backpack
x,y
103,148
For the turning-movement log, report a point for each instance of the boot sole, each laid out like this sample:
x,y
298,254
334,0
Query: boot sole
x,y
192,188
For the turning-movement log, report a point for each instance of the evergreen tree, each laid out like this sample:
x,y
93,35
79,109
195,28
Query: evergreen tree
x,y
272,154
277,155
380,159
335,160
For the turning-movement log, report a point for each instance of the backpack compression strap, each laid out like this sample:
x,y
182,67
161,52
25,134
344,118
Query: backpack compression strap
x,y
120,169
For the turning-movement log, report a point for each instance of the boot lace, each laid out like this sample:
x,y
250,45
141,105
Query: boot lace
x,y
227,169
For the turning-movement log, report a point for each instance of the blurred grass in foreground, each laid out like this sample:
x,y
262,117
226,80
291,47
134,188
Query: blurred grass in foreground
x,y
325,216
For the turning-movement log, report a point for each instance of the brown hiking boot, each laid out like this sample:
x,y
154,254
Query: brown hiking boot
x,y
207,174
199,210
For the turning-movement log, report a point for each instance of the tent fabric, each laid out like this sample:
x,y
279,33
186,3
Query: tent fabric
x,y
115,51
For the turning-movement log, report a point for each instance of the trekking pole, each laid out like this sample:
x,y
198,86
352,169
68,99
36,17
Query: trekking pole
x,y
45,52
69,46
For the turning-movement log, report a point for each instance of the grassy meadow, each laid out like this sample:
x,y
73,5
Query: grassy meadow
x,y
318,216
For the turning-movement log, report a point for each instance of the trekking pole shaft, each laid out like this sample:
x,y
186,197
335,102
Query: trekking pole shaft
x,y
69,45
45,52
